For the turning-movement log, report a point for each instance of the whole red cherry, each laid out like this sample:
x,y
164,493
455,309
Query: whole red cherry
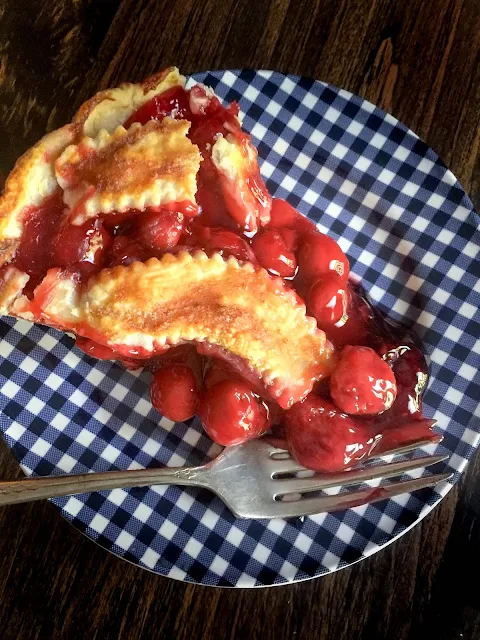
x,y
231,413
323,438
158,230
319,255
328,301
173,391
272,253
362,383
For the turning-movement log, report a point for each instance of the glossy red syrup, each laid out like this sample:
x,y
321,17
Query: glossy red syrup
x,y
174,103
40,225
339,423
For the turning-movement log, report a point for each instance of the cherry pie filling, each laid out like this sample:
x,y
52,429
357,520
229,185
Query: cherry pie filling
x,y
372,401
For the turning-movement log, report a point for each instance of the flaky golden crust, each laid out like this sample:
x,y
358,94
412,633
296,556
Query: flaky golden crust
x,y
33,177
183,298
143,166
30,182
110,108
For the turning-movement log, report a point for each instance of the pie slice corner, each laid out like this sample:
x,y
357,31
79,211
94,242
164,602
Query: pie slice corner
x,y
112,107
95,167
30,183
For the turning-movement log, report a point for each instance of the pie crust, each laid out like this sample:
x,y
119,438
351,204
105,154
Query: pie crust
x,y
141,167
100,168
147,307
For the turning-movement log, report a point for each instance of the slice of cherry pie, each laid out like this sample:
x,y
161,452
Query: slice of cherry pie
x,y
144,227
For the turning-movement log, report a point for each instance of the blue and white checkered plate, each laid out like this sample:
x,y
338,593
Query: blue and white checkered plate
x,y
411,235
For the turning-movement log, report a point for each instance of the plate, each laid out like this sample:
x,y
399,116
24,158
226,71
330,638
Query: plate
x,y
412,237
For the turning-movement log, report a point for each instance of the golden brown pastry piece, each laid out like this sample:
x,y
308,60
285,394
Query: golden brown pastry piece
x,y
95,168
146,307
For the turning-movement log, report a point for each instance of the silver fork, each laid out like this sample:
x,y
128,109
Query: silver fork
x,y
249,478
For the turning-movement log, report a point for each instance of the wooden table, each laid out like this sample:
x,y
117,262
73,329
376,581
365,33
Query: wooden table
x,y
416,58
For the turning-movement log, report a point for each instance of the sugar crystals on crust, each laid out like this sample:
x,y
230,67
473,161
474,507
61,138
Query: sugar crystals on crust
x,y
143,166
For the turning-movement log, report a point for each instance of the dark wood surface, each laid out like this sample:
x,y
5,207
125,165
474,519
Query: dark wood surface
x,y
419,59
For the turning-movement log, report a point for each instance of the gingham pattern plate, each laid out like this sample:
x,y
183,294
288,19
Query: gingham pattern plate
x,y
412,237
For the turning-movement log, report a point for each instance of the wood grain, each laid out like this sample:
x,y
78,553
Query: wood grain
x,y
419,59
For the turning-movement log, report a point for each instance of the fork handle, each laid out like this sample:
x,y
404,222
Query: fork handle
x,y
41,488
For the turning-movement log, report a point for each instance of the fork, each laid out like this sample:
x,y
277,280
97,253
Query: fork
x,y
253,479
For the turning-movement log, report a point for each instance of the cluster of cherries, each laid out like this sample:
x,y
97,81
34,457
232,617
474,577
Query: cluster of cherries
x,y
372,400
